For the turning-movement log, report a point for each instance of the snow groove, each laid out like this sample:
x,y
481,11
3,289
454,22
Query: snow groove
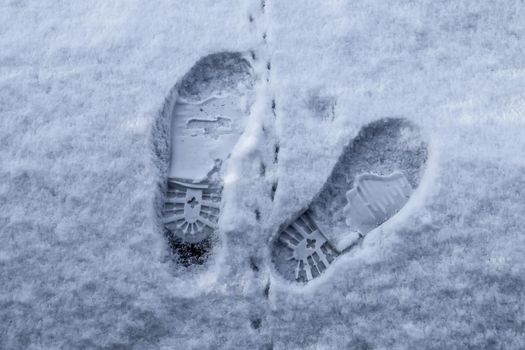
x,y
268,154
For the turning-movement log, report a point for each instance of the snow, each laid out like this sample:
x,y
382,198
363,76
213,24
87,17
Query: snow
x,y
84,90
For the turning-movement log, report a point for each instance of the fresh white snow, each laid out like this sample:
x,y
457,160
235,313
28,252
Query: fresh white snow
x,y
84,90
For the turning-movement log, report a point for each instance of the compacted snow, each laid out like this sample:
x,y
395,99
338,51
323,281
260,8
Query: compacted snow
x,y
86,97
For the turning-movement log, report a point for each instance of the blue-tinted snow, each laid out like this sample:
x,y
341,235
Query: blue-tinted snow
x,y
82,256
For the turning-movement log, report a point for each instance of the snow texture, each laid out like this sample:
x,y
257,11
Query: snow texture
x,y
85,94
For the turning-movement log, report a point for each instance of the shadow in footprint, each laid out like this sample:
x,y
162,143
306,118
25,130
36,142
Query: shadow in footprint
x,y
188,254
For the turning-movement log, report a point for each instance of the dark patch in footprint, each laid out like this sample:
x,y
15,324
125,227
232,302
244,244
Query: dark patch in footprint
x,y
372,180
257,213
188,254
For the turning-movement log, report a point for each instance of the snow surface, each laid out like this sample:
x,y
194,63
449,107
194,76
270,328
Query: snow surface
x,y
84,90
